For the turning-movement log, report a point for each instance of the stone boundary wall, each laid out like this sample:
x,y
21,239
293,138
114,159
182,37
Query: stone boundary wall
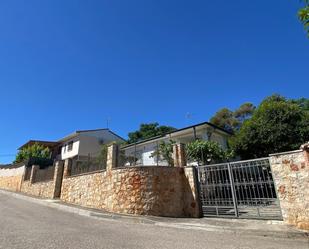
x,y
36,186
40,189
45,183
151,190
11,178
291,175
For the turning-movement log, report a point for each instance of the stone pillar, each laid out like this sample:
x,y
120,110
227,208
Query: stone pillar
x,y
179,155
22,179
291,177
305,148
111,161
67,168
191,198
26,169
34,169
58,173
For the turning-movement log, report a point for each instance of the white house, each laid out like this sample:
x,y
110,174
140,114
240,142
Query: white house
x,y
79,145
87,142
143,150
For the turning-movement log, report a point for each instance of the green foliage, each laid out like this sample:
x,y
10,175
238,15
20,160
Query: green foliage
x,y
302,102
277,125
206,152
102,157
303,15
165,152
232,120
148,131
37,151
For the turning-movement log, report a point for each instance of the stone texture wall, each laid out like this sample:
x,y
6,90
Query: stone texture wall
x,y
46,174
291,176
11,179
160,191
11,183
40,189
192,207
45,183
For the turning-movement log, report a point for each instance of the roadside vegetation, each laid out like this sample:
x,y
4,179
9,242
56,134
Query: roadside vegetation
x,y
37,151
277,124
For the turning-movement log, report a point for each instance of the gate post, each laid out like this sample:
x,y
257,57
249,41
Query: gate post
x,y
112,151
179,155
233,189
58,174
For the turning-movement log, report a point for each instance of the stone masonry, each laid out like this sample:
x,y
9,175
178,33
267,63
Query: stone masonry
x,y
49,188
161,191
291,176
11,179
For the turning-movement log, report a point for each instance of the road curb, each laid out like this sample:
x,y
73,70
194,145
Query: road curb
x,y
157,221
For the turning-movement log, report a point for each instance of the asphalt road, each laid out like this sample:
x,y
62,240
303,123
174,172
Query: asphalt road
x,y
25,225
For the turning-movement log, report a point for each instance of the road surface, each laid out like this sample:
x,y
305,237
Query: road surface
x,y
26,224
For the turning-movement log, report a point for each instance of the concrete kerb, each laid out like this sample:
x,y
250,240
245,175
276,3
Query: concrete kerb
x,y
239,227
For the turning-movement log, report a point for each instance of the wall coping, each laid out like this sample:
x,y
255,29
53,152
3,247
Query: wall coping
x,y
128,168
146,167
87,173
286,153
45,181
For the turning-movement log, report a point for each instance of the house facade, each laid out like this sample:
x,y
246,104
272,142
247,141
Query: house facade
x,y
78,146
144,151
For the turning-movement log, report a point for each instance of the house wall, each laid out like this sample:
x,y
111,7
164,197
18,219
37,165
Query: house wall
x,y
74,152
161,191
104,135
88,143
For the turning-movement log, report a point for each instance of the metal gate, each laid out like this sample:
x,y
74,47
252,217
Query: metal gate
x,y
243,189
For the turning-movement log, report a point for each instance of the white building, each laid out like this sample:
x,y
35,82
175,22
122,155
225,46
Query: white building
x,y
87,142
144,150
79,145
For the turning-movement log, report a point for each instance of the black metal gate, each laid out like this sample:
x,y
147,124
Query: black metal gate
x,y
243,189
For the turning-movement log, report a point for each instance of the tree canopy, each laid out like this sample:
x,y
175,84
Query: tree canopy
x,y
303,15
276,125
232,120
34,151
148,131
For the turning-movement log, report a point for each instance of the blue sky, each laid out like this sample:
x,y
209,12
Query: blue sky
x,y
70,65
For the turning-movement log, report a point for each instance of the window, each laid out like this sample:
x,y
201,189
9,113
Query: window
x,y
64,148
70,146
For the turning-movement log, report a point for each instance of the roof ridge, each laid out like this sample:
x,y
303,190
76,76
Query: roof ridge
x,y
99,129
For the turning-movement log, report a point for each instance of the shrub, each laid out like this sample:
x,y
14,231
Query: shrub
x,y
206,152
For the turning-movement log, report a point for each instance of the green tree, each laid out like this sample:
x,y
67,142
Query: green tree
x,y
148,131
277,125
206,152
302,102
303,15
232,120
34,151
165,152
101,158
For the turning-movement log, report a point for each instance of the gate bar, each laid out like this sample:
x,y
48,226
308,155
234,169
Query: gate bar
x,y
233,189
